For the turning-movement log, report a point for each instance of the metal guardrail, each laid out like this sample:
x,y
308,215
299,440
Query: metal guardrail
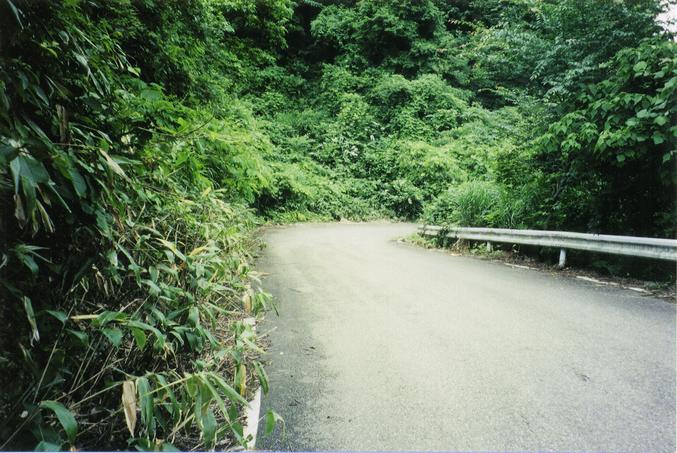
x,y
662,249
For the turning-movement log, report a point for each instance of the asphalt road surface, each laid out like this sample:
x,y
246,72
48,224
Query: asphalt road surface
x,y
381,345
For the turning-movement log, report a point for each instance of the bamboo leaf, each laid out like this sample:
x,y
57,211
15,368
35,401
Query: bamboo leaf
x,y
209,429
114,166
193,317
129,404
146,403
271,419
47,446
59,315
262,376
16,12
114,335
30,315
241,379
139,337
65,417
227,390
82,337
166,446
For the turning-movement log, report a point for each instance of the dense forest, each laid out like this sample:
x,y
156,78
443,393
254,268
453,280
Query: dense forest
x,y
142,142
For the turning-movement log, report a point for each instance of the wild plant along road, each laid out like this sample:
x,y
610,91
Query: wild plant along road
x,y
381,345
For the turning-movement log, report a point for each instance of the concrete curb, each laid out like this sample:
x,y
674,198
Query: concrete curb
x,y
251,424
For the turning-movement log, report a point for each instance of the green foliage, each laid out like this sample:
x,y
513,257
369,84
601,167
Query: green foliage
x,y
124,233
430,169
402,197
473,203
418,108
617,144
306,191
408,100
353,128
386,32
551,47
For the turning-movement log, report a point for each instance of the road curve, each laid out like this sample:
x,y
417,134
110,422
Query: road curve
x,y
380,345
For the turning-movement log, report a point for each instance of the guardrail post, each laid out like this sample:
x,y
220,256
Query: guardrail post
x,y
490,246
562,258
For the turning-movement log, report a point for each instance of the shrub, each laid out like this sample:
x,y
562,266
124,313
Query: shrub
x,y
429,168
471,204
418,108
403,198
306,191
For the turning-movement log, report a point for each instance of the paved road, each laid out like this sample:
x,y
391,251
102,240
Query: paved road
x,y
382,345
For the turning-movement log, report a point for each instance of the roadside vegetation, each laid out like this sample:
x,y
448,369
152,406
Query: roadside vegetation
x,y
142,142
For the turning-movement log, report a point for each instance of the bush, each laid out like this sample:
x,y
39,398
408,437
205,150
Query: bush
x,y
306,191
419,108
471,204
429,168
403,198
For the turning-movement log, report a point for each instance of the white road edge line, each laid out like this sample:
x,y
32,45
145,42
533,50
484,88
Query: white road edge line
x,y
251,424
600,282
639,290
590,279
518,266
